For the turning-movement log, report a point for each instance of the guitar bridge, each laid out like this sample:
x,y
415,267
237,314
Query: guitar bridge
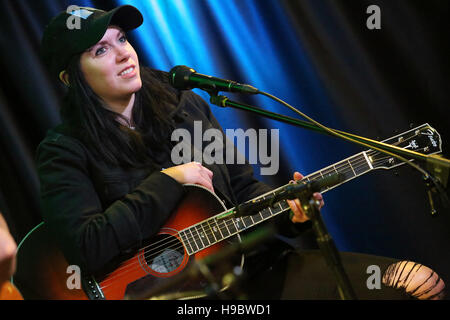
x,y
92,289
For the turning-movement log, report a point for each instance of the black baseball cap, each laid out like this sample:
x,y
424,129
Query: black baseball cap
x,y
78,28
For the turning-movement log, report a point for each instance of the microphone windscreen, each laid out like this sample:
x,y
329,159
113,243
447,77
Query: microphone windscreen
x,y
179,77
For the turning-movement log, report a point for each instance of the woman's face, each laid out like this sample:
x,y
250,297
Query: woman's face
x,y
111,67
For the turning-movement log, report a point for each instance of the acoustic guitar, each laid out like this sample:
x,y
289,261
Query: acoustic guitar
x,y
199,227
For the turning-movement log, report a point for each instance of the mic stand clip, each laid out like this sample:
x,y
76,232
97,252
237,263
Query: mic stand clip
x,y
435,191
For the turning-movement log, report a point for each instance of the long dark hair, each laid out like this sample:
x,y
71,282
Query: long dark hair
x,y
96,125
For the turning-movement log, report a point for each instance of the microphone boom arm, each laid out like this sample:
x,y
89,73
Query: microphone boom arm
x,y
436,164
223,102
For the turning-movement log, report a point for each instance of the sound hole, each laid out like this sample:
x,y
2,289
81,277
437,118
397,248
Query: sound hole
x,y
165,254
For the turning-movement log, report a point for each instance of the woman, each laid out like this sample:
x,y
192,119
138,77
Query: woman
x,y
107,179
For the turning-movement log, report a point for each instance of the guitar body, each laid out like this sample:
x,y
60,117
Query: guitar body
x,y
43,272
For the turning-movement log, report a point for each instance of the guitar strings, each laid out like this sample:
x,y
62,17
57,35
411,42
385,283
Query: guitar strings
x,y
224,226
344,163
176,244
309,177
336,167
198,239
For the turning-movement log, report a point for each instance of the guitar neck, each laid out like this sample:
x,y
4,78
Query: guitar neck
x,y
349,169
224,225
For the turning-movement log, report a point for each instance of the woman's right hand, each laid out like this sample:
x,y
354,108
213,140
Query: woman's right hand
x,y
193,173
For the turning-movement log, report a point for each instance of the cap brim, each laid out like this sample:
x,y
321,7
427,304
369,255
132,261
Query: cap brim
x,y
126,17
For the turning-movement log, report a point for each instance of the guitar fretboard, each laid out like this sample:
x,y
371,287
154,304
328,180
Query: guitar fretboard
x,y
224,225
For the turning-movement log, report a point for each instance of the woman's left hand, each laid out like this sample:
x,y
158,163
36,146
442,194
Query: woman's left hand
x,y
299,215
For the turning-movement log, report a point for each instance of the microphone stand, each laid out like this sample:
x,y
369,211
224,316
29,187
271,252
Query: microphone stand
x,y
328,249
437,165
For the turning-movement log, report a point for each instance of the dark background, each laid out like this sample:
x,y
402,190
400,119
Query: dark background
x,y
378,83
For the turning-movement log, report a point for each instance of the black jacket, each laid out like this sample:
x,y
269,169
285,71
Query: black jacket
x,y
97,212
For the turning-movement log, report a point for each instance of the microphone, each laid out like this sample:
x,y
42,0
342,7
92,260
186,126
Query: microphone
x,y
301,189
185,78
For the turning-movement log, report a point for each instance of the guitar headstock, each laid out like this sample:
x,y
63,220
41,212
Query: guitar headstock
x,y
423,139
